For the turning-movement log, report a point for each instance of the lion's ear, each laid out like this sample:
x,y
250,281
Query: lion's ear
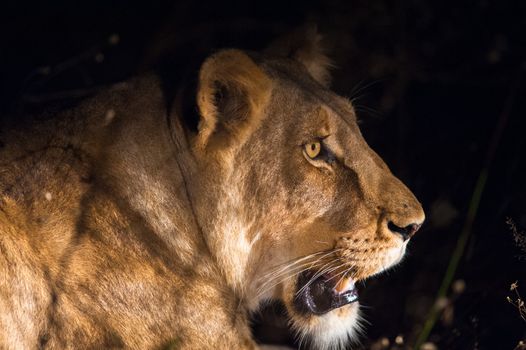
x,y
231,95
305,46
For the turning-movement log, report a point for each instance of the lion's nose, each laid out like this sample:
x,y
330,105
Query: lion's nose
x,y
406,232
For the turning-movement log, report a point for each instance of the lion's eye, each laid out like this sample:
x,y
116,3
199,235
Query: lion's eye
x,y
317,153
313,149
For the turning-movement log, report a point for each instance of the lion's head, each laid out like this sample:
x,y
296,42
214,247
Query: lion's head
x,y
292,202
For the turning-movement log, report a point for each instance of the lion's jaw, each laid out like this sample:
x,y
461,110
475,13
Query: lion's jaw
x,y
342,325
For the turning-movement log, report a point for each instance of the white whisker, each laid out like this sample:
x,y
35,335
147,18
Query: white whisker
x,y
286,269
291,263
320,272
290,270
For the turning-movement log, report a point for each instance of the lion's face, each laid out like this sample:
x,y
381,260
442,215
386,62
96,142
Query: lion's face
x,y
314,206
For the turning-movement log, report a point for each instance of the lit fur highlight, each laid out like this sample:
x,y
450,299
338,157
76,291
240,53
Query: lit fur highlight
x,y
138,232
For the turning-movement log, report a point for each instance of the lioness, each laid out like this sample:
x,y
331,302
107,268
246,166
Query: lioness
x,y
121,225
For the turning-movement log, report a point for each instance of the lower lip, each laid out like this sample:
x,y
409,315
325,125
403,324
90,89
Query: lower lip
x,y
318,300
349,297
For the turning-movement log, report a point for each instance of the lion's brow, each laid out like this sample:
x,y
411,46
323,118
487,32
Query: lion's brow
x,y
342,108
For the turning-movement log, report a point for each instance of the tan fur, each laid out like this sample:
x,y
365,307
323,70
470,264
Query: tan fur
x,y
125,232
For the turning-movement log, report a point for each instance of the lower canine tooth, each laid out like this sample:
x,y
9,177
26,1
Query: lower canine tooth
x,y
344,285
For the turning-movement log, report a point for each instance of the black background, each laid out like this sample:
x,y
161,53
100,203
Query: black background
x,y
440,88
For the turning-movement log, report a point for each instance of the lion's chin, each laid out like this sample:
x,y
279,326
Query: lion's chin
x,y
332,330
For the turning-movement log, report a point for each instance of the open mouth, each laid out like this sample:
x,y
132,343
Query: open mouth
x,y
321,294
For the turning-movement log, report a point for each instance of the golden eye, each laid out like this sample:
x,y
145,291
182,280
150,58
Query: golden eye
x,y
313,149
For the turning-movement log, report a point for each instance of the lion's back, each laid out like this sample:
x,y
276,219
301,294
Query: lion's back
x,y
43,176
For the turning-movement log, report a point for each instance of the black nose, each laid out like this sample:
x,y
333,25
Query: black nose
x,y
406,232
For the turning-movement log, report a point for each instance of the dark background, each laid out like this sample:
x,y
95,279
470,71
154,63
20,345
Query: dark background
x,y
440,88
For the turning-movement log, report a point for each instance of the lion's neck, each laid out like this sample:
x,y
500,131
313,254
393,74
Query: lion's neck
x,y
229,228
155,186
